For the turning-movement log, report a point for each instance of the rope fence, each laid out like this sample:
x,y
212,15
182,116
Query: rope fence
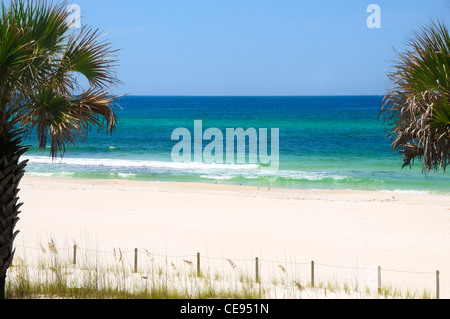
x,y
198,259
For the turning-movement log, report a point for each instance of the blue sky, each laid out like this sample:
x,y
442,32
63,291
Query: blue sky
x,y
256,47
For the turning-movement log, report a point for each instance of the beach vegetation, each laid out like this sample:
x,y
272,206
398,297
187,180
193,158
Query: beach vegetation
x,y
52,275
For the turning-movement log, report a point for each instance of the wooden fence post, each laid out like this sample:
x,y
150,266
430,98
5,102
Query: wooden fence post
x,y
312,274
135,260
74,254
257,269
379,279
437,285
198,265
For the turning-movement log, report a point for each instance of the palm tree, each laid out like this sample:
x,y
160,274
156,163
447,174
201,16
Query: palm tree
x,y
41,63
418,105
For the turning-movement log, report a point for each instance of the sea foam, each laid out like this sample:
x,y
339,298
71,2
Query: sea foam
x,y
136,163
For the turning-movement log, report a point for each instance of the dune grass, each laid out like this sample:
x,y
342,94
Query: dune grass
x,y
52,275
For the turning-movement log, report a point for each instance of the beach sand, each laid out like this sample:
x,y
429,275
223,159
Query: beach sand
x,y
361,229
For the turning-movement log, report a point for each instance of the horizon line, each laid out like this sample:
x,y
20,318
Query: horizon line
x,y
313,95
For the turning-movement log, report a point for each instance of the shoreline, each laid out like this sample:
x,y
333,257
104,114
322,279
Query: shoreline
x,y
401,231
220,182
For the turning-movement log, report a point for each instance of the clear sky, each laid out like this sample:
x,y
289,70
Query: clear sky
x,y
256,47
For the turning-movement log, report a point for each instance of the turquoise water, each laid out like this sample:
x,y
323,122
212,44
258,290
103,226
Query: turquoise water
x,y
324,143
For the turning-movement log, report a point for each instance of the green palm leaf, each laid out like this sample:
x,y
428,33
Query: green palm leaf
x,y
417,107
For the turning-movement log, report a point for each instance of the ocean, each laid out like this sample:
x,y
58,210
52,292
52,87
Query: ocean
x,y
325,142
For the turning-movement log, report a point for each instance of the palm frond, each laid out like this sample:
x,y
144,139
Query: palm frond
x,y
417,106
86,53
66,120
40,64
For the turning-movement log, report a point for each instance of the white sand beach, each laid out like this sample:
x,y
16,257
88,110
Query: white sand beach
x,y
361,229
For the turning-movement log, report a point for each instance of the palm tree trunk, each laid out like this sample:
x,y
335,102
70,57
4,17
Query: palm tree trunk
x,y
11,172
